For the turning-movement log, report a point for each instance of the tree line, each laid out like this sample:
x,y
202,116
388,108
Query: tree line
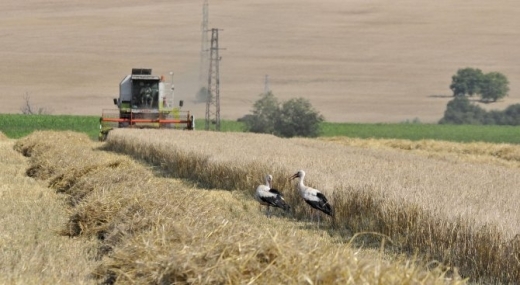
x,y
468,82
298,118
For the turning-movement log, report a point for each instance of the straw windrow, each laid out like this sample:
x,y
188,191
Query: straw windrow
x,y
160,230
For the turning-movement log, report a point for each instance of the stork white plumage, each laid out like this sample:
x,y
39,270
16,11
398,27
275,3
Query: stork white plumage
x,y
268,196
313,197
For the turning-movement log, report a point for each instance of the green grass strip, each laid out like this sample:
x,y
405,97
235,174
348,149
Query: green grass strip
x,y
18,125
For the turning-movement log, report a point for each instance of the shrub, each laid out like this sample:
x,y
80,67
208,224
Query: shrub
x,y
298,119
460,111
295,117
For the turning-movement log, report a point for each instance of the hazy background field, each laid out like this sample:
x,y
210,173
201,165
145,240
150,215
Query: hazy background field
x,y
356,61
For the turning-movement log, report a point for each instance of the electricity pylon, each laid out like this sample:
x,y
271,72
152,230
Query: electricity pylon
x,y
213,100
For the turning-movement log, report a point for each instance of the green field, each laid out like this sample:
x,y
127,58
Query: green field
x,y
455,133
17,126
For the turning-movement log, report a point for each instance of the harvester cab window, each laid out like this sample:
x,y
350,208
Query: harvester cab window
x,y
145,94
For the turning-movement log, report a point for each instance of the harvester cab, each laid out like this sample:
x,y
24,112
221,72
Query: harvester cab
x,y
144,102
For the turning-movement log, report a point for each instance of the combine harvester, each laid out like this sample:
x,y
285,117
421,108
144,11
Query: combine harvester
x,y
144,103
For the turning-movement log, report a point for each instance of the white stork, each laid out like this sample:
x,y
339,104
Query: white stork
x,y
312,196
268,196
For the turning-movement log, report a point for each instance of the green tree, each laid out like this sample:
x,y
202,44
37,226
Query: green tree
x,y
298,119
461,111
494,86
295,117
265,114
466,81
494,117
511,115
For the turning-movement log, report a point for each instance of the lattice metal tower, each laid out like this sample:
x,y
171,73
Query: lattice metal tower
x,y
213,102
204,42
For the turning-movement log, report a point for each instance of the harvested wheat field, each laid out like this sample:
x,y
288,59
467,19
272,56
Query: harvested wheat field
x,y
161,207
142,225
356,61
31,215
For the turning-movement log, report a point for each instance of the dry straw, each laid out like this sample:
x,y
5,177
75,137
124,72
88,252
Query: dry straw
x,y
30,250
3,137
451,210
156,230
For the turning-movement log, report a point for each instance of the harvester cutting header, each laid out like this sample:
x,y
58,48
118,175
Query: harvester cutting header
x,y
144,102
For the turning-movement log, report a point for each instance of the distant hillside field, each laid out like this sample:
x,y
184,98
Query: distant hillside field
x,y
356,61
